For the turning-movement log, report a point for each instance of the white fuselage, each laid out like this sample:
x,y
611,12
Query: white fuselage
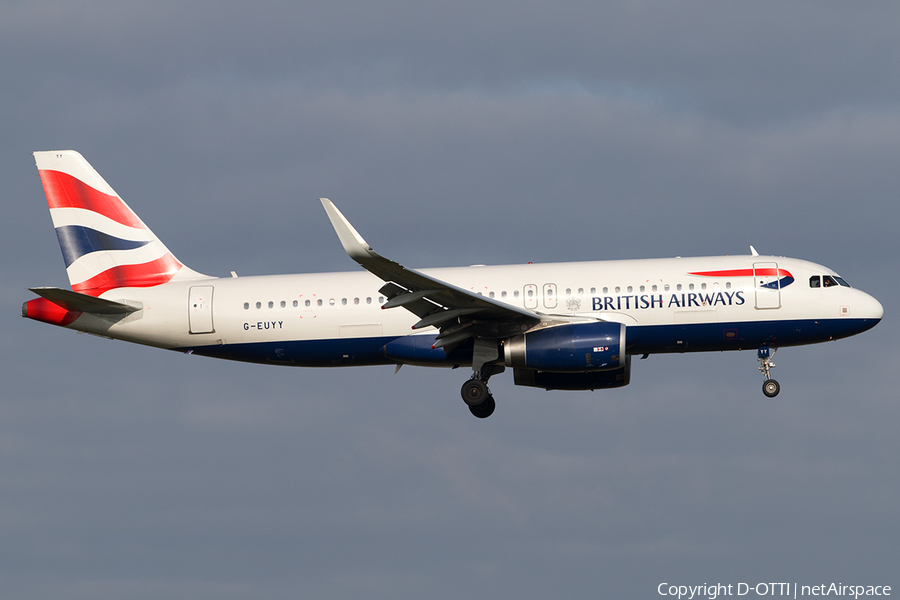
x,y
661,301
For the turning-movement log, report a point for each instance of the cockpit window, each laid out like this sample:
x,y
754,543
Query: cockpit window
x,y
815,281
841,282
828,281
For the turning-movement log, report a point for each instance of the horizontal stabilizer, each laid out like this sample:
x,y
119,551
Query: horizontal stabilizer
x,y
74,301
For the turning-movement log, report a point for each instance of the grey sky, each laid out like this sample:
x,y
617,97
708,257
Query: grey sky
x,y
482,132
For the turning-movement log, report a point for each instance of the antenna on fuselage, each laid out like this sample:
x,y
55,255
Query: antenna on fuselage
x,y
753,251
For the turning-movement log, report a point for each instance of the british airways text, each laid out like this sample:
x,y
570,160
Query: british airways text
x,y
648,301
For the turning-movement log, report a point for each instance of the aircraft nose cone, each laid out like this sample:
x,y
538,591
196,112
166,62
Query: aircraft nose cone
x,y
870,309
876,310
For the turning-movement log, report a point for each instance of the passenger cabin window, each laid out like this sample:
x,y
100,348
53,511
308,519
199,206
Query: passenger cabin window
x,y
815,281
283,304
246,305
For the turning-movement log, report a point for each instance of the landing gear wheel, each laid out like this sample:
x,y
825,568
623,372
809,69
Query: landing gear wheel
x,y
771,388
474,392
485,409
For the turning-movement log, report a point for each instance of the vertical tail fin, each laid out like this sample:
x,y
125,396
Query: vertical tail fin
x,y
104,243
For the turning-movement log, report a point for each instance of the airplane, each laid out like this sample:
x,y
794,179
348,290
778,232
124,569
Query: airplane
x,y
563,326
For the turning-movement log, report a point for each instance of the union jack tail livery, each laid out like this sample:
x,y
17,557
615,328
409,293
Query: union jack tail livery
x,y
104,244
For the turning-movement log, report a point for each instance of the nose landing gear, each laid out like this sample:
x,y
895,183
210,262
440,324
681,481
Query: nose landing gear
x,y
770,386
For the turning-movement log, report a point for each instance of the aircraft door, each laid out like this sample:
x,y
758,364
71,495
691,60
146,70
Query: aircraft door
x,y
550,295
200,309
530,295
767,284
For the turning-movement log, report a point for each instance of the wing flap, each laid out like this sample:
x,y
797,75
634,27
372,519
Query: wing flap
x,y
408,298
439,317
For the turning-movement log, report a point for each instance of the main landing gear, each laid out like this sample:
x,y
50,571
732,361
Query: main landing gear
x,y
477,396
770,386
475,392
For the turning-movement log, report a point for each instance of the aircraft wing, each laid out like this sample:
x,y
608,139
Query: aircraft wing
x,y
458,313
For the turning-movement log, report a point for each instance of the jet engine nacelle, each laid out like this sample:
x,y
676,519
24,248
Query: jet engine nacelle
x,y
570,348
